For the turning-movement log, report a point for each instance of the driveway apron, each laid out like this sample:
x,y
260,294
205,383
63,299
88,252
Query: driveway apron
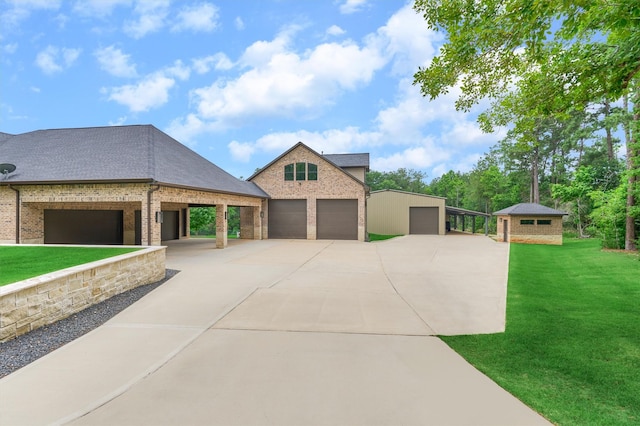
x,y
287,332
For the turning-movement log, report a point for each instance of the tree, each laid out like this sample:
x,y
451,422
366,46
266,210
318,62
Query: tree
x,y
585,50
402,179
201,218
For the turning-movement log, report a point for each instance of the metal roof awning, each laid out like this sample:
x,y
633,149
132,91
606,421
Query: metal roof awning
x,y
456,211
464,212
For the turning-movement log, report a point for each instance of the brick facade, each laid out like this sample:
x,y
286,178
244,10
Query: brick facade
x,y
128,197
530,233
332,183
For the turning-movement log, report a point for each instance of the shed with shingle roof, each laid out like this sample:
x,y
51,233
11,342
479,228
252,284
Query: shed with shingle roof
x,y
529,223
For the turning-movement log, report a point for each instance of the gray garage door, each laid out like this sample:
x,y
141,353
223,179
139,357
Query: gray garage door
x,y
83,226
170,229
423,220
288,219
337,219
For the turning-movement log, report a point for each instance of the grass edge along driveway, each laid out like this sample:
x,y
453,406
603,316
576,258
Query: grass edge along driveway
x,y
19,263
571,350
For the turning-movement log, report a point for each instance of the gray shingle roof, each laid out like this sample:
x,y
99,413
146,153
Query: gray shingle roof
x,y
349,160
117,153
530,209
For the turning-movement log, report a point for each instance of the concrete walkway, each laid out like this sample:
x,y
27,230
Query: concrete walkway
x,y
287,333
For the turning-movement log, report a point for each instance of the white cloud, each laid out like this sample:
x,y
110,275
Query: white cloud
x,y
421,156
98,8
150,92
282,82
200,17
10,48
151,17
352,6
53,59
335,30
241,151
115,62
239,23
219,61
20,10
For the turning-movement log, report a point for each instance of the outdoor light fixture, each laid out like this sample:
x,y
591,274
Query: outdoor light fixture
x,y
261,215
159,217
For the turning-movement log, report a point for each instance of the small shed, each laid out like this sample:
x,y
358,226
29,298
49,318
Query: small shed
x,y
529,223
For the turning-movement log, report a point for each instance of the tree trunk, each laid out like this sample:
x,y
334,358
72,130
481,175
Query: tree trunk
x,y
607,128
631,141
535,188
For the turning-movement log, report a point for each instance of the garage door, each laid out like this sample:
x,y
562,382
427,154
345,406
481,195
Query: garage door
x,y
423,220
83,226
170,229
337,219
288,219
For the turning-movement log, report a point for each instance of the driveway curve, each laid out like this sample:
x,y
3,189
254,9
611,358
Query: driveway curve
x,y
288,332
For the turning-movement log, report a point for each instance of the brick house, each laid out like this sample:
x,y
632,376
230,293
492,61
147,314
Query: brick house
x,y
114,185
314,196
135,185
529,223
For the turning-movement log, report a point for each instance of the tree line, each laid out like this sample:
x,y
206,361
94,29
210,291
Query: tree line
x,y
563,77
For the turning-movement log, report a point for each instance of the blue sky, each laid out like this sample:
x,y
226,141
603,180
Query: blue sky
x,y
239,82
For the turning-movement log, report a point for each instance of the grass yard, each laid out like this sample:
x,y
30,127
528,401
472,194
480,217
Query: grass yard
x,y
21,262
571,349
378,237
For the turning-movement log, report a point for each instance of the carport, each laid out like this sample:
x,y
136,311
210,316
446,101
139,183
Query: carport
x,y
456,212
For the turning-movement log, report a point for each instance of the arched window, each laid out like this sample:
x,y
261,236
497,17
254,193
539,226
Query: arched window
x,y
288,172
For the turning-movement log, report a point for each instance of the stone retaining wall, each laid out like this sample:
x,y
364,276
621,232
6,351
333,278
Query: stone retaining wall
x,y
35,302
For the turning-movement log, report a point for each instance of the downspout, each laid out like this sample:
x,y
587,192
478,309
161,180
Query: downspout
x,y
149,215
17,212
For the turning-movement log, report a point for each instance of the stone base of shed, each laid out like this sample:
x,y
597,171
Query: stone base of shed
x,y
536,239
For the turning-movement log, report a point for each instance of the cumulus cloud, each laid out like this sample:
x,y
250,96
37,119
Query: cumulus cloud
x,y
150,92
219,61
200,17
150,17
115,62
352,6
335,30
98,8
239,23
241,151
53,59
17,11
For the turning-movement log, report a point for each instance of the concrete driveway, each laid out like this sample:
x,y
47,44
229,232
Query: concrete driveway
x,y
281,332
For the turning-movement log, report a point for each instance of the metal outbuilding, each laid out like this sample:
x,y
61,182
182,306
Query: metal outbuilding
x,y
393,212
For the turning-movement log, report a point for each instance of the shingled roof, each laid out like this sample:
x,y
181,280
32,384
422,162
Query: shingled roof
x,y
139,153
349,160
529,209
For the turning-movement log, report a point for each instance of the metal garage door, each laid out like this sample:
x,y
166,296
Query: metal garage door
x,y
170,229
423,220
337,219
83,226
288,219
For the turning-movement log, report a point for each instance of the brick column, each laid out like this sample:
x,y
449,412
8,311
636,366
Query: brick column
x,y
221,226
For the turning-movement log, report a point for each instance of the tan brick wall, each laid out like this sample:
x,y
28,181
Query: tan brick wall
x,y
531,234
332,183
127,197
33,303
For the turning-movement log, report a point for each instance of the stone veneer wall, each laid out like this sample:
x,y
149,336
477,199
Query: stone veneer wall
x,y
332,183
38,301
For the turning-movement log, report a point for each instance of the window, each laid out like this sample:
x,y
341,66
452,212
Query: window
x,y
288,172
312,173
544,221
301,171
526,221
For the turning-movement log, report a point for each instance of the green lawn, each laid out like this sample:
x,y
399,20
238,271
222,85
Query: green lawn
x,y
571,349
378,237
21,262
